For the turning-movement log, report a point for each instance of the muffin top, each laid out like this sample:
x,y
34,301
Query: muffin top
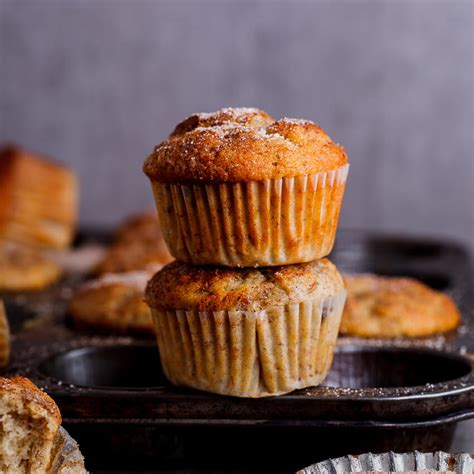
x,y
114,302
242,144
138,243
179,286
379,306
21,393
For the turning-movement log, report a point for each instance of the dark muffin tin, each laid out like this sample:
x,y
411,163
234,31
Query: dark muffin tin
x,y
379,395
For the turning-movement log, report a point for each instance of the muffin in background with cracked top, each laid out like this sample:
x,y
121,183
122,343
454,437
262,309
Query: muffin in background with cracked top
x,y
114,303
138,243
389,307
238,188
251,332
26,269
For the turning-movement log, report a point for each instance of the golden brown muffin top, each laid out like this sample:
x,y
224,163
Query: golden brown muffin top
x,y
142,226
187,287
25,393
23,268
114,302
138,243
378,306
242,144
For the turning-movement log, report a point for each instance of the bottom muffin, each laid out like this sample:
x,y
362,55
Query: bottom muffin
x,y
247,332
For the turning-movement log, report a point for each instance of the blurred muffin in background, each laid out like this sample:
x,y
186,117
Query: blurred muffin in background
x,y
388,307
26,269
38,200
138,243
114,303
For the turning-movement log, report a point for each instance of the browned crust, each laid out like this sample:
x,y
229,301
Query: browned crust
x,y
30,396
108,304
23,269
379,306
140,226
138,243
187,287
125,257
242,144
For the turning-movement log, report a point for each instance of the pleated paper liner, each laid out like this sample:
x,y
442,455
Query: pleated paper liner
x,y
250,354
66,456
272,222
415,461
4,338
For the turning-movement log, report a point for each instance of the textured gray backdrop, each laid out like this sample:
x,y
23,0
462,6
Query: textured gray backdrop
x,y
98,83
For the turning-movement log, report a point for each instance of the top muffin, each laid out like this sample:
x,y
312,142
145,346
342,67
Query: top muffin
x,y
240,145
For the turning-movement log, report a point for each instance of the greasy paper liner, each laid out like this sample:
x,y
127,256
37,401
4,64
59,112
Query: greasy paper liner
x,y
250,354
415,461
271,222
66,457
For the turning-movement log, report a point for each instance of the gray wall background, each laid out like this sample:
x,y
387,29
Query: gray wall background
x,y
97,84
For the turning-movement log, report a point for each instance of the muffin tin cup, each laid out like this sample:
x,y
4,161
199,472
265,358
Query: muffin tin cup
x,y
258,223
250,354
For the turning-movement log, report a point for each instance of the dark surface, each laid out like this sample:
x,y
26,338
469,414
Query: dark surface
x,y
380,395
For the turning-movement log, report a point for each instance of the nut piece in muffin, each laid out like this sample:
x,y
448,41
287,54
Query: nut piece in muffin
x,y
246,332
114,303
24,269
238,188
387,307
138,243
38,200
29,421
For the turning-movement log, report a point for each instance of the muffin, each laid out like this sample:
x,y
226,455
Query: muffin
x,y
114,303
38,200
138,243
237,188
29,422
387,307
143,226
246,332
24,269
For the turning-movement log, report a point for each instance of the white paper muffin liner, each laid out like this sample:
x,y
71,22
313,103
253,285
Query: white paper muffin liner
x,y
66,457
271,222
250,354
395,462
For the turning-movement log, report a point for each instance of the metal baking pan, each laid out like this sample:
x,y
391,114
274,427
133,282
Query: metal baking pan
x,y
379,396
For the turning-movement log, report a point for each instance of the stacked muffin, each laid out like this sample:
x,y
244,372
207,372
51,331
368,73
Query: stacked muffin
x,y
249,207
